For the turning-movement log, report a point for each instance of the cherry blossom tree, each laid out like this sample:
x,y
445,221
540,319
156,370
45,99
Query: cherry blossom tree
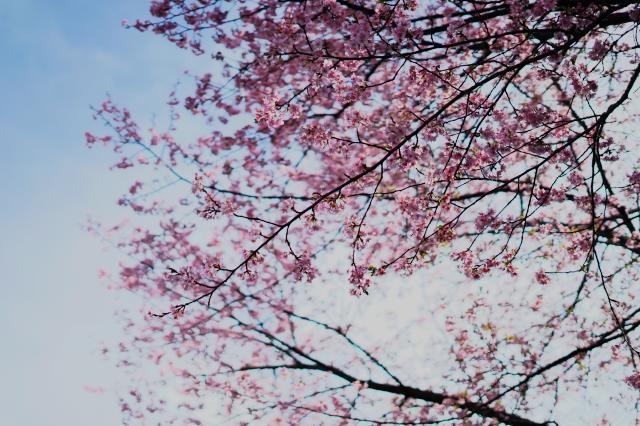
x,y
393,212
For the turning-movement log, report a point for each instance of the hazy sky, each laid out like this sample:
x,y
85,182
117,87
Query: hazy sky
x,y
60,57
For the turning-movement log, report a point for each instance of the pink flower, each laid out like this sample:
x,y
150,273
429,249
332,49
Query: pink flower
x,y
303,268
360,282
598,51
633,380
542,278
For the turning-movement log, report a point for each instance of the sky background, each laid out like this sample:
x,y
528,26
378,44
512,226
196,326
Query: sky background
x,y
59,58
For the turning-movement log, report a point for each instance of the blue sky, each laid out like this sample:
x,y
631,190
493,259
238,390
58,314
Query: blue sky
x,y
60,57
